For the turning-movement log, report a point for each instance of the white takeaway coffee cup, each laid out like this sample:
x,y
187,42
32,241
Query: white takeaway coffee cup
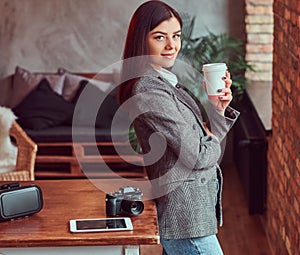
x,y
213,74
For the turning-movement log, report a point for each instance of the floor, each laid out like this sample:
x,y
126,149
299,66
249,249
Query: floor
x,y
240,233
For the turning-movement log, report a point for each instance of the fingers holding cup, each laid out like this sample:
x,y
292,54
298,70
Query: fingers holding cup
x,y
227,79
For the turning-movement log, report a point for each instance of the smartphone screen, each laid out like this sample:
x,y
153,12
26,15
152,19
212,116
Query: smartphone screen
x,y
100,224
103,224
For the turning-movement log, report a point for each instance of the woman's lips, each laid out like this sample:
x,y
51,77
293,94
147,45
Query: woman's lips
x,y
169,55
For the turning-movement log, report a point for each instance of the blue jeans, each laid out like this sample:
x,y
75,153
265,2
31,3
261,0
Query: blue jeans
x,y
207,245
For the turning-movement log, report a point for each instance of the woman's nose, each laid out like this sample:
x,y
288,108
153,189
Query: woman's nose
x,y
170,43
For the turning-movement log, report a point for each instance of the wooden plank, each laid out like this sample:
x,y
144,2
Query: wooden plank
x,y
71,156
96,159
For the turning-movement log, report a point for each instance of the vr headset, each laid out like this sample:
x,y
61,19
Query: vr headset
x,y
19,201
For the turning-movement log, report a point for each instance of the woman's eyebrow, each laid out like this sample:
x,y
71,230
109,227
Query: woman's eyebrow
x,y
164,33
179,31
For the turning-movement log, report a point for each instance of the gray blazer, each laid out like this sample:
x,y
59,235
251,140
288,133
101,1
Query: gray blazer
x,y
181,159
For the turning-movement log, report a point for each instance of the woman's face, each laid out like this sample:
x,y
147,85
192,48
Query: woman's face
x,y
164,43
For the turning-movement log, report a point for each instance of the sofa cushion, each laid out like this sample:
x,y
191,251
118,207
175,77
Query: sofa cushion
x,y
72,83
89,112
24,82
43,108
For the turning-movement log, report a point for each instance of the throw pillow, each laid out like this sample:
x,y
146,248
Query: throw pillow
x,y
72,83
43,108
88,112
24,82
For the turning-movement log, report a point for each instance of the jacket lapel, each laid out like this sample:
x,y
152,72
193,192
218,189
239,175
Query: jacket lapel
x,y
190,103
183,96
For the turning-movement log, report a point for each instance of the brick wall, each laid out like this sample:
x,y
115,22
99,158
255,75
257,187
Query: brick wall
x,y
283,203
259,45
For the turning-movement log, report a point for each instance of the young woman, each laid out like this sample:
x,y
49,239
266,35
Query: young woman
x,y
186,177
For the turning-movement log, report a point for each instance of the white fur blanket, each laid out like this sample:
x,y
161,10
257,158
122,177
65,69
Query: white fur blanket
x,y
8,152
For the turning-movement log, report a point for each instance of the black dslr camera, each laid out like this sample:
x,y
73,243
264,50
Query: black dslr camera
x,y
125,201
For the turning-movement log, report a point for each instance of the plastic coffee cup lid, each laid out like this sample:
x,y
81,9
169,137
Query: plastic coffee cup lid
x,y
214,67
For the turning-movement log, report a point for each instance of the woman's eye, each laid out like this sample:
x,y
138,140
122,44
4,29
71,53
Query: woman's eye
x,y
176,36
159,38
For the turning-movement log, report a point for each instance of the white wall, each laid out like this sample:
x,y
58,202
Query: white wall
x,y
88,35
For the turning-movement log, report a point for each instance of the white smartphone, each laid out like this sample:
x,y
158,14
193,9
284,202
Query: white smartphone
x,y
100,225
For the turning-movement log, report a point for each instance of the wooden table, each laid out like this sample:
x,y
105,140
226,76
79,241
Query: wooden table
x,y
47,232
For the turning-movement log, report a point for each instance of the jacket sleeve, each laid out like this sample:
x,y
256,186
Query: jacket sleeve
x,y
219,124
158,110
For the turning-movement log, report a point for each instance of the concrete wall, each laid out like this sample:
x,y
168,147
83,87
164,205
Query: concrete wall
x,y
88,35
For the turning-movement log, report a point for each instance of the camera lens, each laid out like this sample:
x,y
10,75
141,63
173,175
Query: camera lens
x,y
132,207
137,207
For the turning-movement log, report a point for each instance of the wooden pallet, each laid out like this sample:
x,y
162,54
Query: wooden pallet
x,y
81,160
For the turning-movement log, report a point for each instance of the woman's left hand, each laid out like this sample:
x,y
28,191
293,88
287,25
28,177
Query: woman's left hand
x,y
223,101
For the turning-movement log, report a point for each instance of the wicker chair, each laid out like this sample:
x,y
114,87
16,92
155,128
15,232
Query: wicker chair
x,y
26,156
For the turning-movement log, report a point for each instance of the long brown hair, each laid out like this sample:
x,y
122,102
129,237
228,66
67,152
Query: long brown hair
x,y
146,17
